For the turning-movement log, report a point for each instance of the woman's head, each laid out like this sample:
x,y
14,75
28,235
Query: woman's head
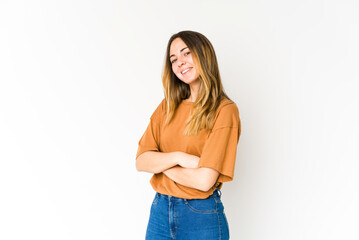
x,y
190,49
182,62
202,58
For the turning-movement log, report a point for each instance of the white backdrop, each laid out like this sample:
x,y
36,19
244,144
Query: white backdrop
x,y
80,79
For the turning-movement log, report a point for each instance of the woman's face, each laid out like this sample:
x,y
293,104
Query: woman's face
x,y
182,62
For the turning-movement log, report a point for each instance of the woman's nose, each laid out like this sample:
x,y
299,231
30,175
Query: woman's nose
x,y
180,62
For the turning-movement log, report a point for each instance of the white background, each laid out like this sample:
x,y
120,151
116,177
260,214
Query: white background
x,y
80,79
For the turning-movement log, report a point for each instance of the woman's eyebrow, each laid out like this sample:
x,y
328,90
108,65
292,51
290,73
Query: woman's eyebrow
x,y
180,51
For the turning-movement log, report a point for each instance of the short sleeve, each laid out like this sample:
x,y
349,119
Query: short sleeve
x,y
150,140
220,148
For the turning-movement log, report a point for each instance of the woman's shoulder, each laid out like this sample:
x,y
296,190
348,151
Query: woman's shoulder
x,y
227,114
228,105
160,109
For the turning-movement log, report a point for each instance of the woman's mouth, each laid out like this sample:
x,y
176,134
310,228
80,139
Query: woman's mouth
x,y
186,71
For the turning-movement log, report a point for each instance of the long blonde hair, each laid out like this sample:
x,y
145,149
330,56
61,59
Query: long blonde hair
x,y
210,92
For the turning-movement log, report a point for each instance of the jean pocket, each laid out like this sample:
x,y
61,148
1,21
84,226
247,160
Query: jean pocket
x,y
217,199
208,205
220,206
155,199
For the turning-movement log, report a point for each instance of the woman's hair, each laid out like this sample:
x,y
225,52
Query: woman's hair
x,y
210,92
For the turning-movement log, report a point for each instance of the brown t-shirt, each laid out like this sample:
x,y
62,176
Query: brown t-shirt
x,y
216,149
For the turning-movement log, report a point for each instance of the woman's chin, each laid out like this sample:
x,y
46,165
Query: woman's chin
x,y
188,81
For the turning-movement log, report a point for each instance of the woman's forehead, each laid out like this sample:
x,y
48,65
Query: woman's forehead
x,y
177,45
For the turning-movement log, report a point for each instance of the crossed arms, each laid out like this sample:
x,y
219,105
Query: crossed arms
x,y
178,166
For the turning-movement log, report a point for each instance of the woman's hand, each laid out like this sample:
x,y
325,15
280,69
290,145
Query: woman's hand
x,y
187,160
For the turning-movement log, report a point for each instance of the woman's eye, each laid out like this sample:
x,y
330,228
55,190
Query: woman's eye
x,y
184,54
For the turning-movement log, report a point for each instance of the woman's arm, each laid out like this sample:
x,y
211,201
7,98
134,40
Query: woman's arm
x,y
200,178
155,162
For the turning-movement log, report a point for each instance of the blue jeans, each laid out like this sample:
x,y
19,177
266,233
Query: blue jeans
x,y
187,219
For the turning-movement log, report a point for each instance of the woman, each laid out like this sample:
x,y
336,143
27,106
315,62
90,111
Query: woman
x,y
190,144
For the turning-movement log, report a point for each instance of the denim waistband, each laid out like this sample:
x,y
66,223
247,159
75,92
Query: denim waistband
x,y
216,192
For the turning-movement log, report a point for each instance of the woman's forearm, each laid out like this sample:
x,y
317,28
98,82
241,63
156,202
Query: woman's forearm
x,y
156,162
189,177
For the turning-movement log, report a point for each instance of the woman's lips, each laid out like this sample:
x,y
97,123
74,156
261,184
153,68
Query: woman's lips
x,y
189,69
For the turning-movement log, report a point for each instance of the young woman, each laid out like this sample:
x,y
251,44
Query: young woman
x,y
190,144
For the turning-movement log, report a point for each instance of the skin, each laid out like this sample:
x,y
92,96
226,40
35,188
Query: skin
x,y
181,60
188,173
